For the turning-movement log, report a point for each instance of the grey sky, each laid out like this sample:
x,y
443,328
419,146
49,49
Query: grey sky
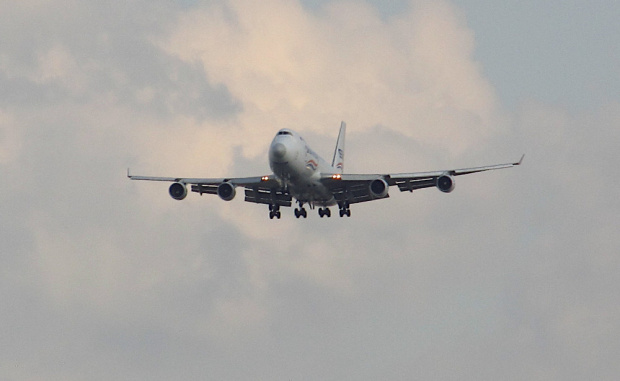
x,y
561,52
512,276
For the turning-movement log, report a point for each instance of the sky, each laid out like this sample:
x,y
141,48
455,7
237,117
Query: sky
x,y
512,276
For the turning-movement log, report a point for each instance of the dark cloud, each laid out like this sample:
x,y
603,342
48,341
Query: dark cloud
x,y
84,52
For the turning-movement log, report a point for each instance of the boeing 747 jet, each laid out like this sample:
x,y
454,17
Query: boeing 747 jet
x,y
300,174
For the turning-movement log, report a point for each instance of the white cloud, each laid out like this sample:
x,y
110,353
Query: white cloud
x,y
414,74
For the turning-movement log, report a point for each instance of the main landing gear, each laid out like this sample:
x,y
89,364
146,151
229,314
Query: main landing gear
x,y
345,210
274,211
301,212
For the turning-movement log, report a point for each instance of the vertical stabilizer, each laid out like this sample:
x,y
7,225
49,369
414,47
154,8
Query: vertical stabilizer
x,y
338,161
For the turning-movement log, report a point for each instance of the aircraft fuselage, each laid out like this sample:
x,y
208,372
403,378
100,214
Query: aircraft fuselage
x,y
299,169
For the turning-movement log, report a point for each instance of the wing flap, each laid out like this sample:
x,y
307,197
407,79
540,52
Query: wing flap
x,y
262,196
352,191
355,195
409,184
208,189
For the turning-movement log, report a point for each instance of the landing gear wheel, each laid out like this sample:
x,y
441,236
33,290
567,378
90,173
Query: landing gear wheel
x,y
301,213
344,210
274,211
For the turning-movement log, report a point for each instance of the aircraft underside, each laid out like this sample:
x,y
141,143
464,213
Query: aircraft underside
x,y
324,211
313,200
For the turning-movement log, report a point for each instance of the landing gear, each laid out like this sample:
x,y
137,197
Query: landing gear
x,y
274,211
301,212
345,210
324,212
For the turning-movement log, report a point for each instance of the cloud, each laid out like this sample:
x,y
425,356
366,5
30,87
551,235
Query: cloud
x,y
413,73
10,139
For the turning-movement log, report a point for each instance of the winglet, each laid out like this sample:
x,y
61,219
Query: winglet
x,y
128,175
520,160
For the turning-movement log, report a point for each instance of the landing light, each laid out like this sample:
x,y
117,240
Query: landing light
x,y
337,177
265,178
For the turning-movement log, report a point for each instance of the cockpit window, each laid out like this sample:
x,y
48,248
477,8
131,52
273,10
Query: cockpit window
x,y
284,133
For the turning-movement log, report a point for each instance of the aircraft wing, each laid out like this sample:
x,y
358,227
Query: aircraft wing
x,y
355,188
258,189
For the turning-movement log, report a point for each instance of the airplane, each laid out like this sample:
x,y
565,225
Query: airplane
x,y
300,174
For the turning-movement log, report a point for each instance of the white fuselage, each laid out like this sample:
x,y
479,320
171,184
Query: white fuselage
x,y
299,169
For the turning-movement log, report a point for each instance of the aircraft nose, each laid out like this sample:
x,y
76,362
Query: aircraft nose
x,y
278,151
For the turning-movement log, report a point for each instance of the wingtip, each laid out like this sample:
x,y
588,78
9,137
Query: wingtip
x,y
520,160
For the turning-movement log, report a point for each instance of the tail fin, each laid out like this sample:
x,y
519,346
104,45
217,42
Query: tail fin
x,y
338,161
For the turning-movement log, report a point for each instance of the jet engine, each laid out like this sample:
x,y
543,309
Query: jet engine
x,y
226,191
178,191
378,188
445,183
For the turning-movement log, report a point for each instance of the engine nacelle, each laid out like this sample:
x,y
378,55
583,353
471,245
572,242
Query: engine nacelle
x,y
178,191
226,191
378,188
445,183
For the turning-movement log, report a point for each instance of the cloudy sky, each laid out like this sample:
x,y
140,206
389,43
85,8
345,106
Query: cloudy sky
x,y
515,275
